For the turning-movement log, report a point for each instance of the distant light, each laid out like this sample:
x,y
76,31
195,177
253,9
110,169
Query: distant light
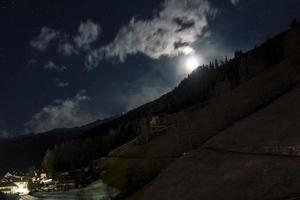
x,y
22,188
192,63
188,50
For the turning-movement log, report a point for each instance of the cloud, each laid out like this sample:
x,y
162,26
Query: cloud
x,y
66,49
143,95
46,36
50,65
178,24
234,2
145,89
62,84
61,114
88,32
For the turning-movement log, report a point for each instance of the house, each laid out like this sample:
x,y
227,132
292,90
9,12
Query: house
x,y
62,185
14,184
8,188
47,185
9,177
39,177
46,181
43,176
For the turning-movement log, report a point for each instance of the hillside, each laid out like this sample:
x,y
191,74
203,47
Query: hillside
x,y
260,79
255,158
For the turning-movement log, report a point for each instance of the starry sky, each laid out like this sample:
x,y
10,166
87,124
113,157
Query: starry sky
x,y
65,63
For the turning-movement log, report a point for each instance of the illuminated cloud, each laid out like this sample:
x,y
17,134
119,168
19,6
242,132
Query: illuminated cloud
x,y
61,114
188,50
61,84
142,95
44,39
66,49
178,24
88,32
50,65
234,2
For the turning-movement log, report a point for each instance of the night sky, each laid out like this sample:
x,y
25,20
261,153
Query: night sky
x,y
66,63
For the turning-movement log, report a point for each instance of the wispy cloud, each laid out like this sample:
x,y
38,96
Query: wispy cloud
x,y
177,25
234,2
61,84
66,49
50,65
66,44
44,39
88,33
143,95
61,114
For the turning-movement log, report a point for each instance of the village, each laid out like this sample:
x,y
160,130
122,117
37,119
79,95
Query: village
x,y
21,184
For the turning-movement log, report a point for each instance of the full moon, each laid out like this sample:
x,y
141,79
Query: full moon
x,y
191,63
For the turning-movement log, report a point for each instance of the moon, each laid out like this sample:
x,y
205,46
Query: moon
x,y
191,63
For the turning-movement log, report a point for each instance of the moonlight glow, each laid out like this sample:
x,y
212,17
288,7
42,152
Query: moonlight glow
x,y
192,63
187,50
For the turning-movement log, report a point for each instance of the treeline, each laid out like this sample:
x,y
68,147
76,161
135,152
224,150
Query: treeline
x,y
81,152
200,85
